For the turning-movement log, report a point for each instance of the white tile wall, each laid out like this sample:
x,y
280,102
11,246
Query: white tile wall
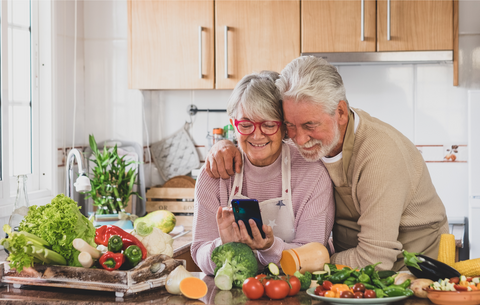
x,y
419,100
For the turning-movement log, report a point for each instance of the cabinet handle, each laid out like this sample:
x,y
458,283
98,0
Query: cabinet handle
x,y
200,75
362,38
388,20
226,51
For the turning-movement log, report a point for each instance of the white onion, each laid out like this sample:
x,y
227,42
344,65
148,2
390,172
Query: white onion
x,y
173,280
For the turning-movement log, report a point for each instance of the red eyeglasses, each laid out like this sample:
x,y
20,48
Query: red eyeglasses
x,y
247,127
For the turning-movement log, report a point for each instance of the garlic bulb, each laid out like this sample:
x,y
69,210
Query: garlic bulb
x,y
173,280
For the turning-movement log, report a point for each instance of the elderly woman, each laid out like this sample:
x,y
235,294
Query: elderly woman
x,y
296,201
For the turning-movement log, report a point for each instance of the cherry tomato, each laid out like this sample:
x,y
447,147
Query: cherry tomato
x,y
455,280
469,279
346,294
277,289
252,288
318,289
369,294
327,285
358,287
295,283
330,294
358,295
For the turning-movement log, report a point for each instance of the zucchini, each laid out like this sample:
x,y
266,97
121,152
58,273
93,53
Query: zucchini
x,y
330,268
272,269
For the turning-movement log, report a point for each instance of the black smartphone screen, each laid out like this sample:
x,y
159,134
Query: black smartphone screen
x,y
245,209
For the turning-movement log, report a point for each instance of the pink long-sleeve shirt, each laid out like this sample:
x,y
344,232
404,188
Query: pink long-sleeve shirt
x,y
312,200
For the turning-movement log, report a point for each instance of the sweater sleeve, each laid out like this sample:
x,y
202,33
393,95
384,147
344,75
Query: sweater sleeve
x,y
382,191
205,235
313,220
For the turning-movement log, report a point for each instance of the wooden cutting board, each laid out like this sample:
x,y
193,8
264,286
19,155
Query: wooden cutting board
x,y
150,273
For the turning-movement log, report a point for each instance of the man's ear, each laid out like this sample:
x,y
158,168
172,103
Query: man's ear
x,y
342,113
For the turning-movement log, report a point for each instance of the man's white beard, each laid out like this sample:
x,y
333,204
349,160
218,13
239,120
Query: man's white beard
x,y
321,150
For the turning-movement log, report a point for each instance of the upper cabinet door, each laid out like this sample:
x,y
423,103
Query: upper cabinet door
x,y
171,44
336,26
415,25
252,36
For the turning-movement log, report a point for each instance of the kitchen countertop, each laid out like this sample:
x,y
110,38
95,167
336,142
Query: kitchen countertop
x,y
63,296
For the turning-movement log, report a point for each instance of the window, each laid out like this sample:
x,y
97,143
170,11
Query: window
x,y
19,87
26,101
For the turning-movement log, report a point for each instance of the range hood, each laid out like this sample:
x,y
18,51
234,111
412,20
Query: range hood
x,y
362,58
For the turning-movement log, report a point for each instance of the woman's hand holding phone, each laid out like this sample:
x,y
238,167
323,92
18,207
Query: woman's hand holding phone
x,y
257,242
225,219
230,232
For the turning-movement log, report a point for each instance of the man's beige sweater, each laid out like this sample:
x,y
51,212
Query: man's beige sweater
x,y
392,191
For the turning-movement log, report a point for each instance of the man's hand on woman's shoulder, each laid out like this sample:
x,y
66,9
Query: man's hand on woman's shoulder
x,y
222,159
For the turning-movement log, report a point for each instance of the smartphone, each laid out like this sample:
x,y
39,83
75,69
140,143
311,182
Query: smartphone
x,y
245,209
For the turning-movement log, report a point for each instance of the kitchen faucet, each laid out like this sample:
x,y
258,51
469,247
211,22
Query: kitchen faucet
x,y
83,183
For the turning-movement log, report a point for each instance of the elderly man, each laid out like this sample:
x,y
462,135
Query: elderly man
x,y
384,197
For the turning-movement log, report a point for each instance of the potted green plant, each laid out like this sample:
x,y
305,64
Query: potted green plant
x,y
112,184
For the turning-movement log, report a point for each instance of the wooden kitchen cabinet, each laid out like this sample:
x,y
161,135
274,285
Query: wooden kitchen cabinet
x,y
171,44
335,26
415,25
261,35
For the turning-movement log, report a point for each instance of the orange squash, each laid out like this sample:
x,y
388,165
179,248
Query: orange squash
x,y
193,288
309,257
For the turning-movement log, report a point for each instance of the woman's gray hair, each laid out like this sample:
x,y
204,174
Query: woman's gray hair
x,y
313,79
258,96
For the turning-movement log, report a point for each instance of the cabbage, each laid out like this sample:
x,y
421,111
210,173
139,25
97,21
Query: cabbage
x,y
59,223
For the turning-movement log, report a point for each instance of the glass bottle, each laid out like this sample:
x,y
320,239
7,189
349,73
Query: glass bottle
x,y
20,208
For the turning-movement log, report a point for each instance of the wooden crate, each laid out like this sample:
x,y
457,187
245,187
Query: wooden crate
x,y
177,200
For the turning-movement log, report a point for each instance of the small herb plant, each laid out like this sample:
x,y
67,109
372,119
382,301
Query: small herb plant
x,y
112,184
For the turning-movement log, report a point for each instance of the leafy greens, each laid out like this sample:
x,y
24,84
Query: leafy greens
x,y
59,223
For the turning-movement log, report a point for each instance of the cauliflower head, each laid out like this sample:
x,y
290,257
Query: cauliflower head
x,y
157,242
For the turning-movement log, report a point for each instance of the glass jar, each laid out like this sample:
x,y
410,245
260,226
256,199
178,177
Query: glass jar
x,y
20,209
217,135
229,133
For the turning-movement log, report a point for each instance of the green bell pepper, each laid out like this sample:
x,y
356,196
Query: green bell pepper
x,y
133,256
115,244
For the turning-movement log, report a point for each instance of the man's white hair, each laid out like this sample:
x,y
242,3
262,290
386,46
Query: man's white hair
x,y
312,79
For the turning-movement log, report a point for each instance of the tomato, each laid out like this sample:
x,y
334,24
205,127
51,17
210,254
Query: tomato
x,y
318,289
346,294
261,278
369,294
252,288
358,287
277,289
330,294
455,280
327,285
358,295
295,283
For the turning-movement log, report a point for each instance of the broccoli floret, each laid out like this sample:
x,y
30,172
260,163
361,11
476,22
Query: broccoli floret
x,y
305,279
235,263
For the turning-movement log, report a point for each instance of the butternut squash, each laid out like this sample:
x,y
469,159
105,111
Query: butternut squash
x,y
309,257
193,288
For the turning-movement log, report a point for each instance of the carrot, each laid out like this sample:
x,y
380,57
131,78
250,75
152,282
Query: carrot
x,y
193,288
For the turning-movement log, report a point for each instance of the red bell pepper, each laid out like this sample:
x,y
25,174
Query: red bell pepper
x,y
111,261
103,234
